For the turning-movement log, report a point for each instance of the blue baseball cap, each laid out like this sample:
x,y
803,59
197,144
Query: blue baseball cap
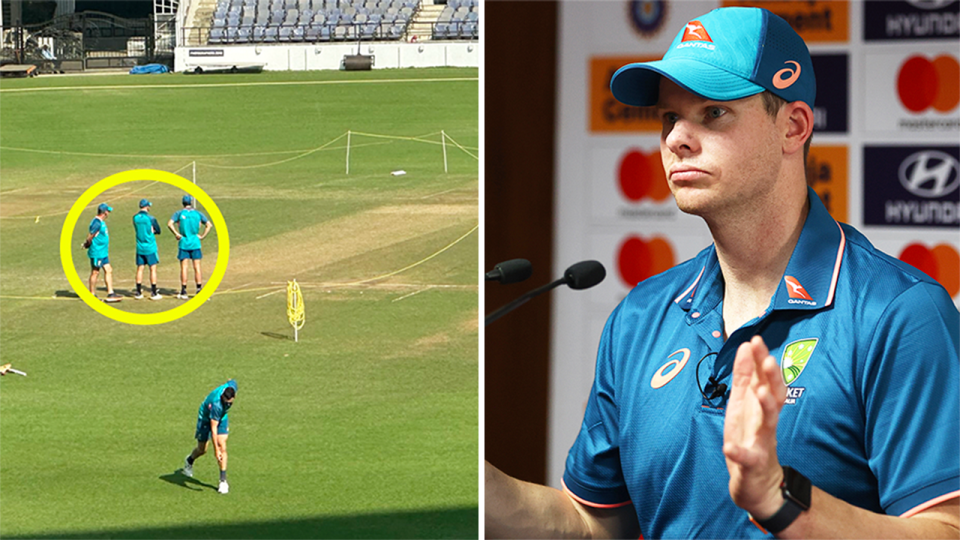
x,y
144,202
727,54
187,199
104,207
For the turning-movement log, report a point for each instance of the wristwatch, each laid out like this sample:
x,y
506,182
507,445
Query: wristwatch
x,y
796,499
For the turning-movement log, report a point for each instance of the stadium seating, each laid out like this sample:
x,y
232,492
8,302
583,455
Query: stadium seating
x,y
292,21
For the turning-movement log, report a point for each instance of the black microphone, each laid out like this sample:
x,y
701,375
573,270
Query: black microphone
x,y
582,275
512,271
718,391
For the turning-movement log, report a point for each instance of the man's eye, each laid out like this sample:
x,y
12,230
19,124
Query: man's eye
x,y
715,112
669,118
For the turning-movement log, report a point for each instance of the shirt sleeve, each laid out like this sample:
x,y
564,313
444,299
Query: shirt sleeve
x,y
95,226
216,411
203,218
593,473
156,226
911,390
175,216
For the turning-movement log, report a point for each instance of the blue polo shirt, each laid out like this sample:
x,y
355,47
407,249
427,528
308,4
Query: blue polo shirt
x,y
190,220
212,408
100,244
870,351
147,228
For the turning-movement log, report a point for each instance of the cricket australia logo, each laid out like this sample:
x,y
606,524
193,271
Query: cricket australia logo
x,y
795,358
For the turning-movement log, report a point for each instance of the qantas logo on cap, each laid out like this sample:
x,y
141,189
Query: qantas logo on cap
x,y
798,295
695,32
792,75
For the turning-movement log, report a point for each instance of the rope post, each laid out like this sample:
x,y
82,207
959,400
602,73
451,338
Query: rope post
x,y
443,140
295,309
194,173
348,151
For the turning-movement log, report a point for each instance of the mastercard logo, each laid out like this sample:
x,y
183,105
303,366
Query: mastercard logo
x,y
942,263
638,259
923,83
641,176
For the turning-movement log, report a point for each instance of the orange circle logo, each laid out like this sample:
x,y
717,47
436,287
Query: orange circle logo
x,y
638,259
641,176
942,263
923,83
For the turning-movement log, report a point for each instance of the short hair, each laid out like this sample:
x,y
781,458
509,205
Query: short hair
x,y
772,104
228,393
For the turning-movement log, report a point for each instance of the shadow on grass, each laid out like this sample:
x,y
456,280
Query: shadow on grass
x,y
180,479
442,523
126,293
276,335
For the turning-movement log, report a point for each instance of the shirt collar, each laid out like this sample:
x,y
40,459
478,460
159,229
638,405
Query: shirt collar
x,y
810,280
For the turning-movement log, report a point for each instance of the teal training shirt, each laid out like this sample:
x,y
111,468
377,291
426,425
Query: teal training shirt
x,y
100,245
147,227
189,220
212,408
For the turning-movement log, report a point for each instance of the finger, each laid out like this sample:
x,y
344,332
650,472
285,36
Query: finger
x,y
770,408
775,379
759,350
744,367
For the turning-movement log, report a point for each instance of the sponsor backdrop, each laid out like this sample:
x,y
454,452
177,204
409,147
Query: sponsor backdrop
x,y
884,157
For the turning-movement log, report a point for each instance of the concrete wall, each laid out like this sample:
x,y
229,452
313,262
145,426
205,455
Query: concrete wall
x,y
317,56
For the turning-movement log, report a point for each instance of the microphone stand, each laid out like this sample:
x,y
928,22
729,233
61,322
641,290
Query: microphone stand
x,y
522,300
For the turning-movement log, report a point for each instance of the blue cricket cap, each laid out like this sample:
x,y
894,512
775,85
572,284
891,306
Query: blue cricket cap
x,y
727,54
187,199
232,383
104,207
144,203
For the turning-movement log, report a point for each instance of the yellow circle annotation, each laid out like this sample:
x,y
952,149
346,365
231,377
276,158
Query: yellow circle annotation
x,y
66,252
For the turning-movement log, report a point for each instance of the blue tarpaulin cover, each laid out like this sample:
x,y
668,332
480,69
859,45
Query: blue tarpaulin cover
x,y
149,68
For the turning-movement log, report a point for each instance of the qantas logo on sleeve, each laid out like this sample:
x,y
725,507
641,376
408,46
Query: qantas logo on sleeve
x,y
677,361
695,32
798,295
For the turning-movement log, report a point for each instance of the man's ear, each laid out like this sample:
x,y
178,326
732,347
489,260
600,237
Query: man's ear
x,y
798,126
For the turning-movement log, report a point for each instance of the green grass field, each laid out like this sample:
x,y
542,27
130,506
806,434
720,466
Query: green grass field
x,y
366,428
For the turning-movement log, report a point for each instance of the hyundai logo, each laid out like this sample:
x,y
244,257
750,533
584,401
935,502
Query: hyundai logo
x,y
930,173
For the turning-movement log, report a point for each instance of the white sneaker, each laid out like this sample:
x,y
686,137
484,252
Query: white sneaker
x,y
138,296
156,297
224,488
187,468
182,296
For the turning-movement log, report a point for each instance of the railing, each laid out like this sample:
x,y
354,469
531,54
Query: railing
x,y
323,33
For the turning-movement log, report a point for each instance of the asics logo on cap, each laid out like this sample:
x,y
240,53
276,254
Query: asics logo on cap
x,y
695,32
779,82
795,289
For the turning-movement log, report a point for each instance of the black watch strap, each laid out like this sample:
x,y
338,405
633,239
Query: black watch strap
x,y
796,491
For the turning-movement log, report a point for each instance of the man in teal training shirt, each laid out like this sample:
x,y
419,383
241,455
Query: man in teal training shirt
x,y
146,227
188,222
97,245
213,422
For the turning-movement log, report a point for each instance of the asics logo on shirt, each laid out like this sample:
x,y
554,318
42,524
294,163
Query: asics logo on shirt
x,y
674,361
792,75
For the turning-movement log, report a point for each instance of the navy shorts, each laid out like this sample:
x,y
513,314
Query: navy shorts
x,y
189,254
147,260
96,264
203,428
